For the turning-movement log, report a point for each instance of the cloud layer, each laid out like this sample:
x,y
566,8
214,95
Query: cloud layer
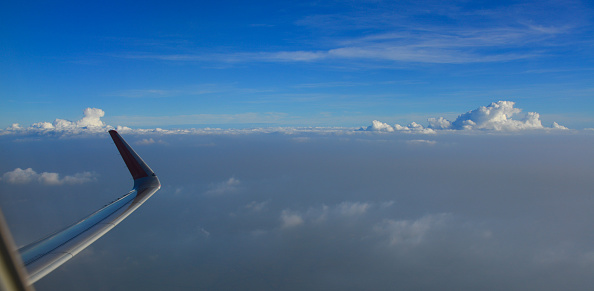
x,y
358,212
497,116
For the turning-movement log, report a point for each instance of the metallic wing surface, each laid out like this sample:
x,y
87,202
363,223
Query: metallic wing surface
x,y
43,256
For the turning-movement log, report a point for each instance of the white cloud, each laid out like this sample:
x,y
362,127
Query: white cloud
x,y
50,178
290,219
323,213
497,116
43,125
90,123
291,56
557,126
226,187
379,126
421,141
20,176
352,208
439,123
409,231
257,206
14,126
145,141
411,128
92,118
204,232
80,178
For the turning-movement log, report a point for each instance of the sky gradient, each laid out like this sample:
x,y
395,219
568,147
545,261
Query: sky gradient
x,y
302,63
306,145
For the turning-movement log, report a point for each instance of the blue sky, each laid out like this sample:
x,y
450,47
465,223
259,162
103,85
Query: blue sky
x,y
306,201
326,63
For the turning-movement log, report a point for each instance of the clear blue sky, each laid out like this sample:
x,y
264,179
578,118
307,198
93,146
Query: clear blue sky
x,y
328,63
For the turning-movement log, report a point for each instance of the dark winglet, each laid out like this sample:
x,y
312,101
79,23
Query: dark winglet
x,y
138,168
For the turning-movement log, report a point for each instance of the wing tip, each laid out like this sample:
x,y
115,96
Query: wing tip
x,y
137,167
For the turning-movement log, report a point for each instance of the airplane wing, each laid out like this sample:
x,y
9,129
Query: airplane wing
x,y
12,272
45,255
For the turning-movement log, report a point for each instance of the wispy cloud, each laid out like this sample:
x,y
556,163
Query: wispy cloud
x,y
464,35
411,232
256,206
141,93
415,52
226,187
341,211
421,142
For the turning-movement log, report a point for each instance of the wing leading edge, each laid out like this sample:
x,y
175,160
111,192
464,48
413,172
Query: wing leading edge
x,y
47,254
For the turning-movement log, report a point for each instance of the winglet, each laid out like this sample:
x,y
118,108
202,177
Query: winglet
x,y
137,167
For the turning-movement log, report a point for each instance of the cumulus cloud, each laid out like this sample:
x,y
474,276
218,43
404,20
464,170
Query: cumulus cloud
x,y
413,127
145,141
380,126
497,116
226,187
89,123
290,219
148,141
439,123
347,209
26,176
20,176
92,118
557,126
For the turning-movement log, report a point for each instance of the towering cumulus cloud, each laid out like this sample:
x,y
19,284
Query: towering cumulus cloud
x,y
497,116
92,118
90,123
